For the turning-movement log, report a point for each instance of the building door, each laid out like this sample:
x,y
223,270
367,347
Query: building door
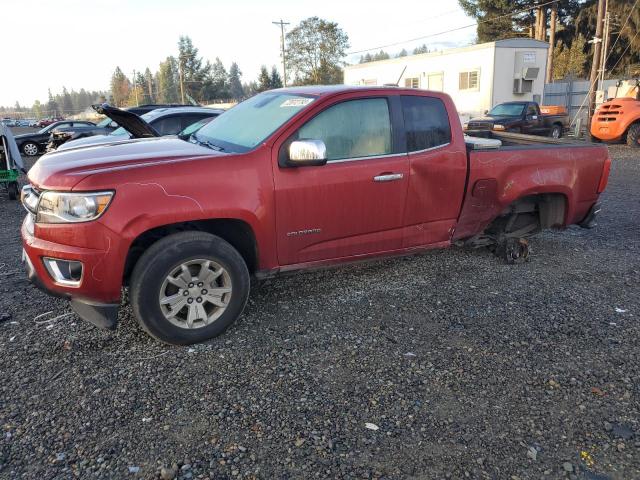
x,y
435,82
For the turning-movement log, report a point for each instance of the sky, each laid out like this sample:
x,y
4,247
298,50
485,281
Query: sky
x,y
78,43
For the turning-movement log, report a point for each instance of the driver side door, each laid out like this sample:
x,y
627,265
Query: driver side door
x,y
353,205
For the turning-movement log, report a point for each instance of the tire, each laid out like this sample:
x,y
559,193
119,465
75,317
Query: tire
x,y
161,265
556,131
13,190
633,135
30,149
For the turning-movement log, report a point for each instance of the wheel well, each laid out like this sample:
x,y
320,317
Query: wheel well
x,y
523,218
237,232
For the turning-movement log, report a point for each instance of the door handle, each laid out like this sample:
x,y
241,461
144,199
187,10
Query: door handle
x,y
388,177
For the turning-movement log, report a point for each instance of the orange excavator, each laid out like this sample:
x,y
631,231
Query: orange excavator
x,y
619,118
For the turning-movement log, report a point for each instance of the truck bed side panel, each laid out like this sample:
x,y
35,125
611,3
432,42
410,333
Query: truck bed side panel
x,y
499,177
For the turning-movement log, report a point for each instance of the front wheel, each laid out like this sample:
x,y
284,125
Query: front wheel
x,y
189,287
556,131
633,135
30,149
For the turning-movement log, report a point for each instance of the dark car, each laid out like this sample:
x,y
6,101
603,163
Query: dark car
x,y
35,143
104,127
156,123
521,117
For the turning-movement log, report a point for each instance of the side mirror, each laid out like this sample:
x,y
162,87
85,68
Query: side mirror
x,y
486,111
307,153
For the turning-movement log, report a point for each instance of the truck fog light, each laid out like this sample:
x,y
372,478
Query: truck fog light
x,y
64,272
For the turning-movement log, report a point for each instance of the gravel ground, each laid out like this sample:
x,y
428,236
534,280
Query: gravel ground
x,y
445,365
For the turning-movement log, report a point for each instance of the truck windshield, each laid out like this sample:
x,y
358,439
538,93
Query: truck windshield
x,y
251,122
508,110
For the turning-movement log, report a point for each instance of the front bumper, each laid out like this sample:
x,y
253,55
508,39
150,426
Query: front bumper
x,y
96,298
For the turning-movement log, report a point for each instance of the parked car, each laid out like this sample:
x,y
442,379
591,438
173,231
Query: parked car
x,y
289,179
35,143
23,122
9,122
521,117
45,122
105,127
156,123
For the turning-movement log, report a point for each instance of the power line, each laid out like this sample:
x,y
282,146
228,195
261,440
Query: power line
x,y
492,19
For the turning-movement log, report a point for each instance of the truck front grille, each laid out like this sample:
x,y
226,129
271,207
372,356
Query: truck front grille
x,y
479,126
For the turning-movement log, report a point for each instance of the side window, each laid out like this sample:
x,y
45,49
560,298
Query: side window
x,y
192,118
352,129
426,122
167,125
531,110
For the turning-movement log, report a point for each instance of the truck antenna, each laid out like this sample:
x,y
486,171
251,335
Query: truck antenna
x,y
400,77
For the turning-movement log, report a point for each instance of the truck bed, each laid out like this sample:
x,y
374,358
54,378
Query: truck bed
x,y
527,165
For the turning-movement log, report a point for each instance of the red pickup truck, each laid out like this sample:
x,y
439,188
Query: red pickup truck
x,y
287,180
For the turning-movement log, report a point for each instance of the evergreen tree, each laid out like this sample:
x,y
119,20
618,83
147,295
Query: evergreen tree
x,y
275,81
235,85
264,80
67,104
52,106
148,86
421,49
120,88
218,87
402,53
167,81
195,76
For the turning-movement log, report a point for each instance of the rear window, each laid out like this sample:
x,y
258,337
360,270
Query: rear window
x,y
426,122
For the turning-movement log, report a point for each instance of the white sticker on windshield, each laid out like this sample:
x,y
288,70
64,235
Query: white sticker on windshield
x,y
296,102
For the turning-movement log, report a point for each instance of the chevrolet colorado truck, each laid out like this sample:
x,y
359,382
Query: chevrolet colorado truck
x,y
287,180
521,117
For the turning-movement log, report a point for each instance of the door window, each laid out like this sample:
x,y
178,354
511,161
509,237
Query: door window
x,y
426,122
531,110
167,125
352,129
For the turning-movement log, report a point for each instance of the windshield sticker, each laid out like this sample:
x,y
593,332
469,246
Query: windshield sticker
x,y
296,102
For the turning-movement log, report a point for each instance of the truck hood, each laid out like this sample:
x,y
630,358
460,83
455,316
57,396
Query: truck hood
x,y
62,170
493,119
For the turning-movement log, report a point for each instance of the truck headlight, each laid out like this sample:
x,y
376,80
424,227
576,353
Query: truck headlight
x,y
65,207
499,127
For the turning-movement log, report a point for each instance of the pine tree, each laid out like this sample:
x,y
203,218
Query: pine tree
x,y
264,80
167,82
235,85
275,81
120,87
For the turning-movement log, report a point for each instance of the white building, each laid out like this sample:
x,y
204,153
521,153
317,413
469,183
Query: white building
x,y
477,77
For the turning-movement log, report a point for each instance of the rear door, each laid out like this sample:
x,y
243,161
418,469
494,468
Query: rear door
x,y
354,204
438,170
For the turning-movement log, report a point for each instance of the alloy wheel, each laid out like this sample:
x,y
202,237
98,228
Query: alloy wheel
x,y
195,293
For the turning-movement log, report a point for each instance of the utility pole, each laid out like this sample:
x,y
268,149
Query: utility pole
x,y
605,43
595,64
151,100
135,87
552,41
181,79
284,63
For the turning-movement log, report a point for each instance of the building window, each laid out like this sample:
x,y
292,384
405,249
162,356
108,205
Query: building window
x,y
412,82
469,80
